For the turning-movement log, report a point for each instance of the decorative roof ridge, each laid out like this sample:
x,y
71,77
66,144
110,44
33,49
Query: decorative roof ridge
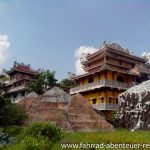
x,y
104,67
99,51
22,67
116,47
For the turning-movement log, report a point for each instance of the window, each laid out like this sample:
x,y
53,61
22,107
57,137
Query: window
x,y
110,99
23,93
120,62
90,80
116,100
138,80
106,58
120,79
15,95
94,101
102,100
19,84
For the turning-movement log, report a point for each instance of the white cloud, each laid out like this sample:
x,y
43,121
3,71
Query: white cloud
x,y
81,53
4,49
147,56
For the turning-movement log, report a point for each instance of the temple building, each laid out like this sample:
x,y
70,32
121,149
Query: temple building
x,y
109,71
20,76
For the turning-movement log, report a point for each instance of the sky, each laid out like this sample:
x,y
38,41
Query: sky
x,y
51,33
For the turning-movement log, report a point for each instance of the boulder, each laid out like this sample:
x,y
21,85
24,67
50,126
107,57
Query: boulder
x,y
32,95
56,95
134,108
82,117
71,113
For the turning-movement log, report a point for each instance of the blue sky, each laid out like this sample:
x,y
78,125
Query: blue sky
x,y
46,33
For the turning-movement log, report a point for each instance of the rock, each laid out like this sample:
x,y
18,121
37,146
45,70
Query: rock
x,y
50,107
32,95
56,95
82,117
134,108
71,113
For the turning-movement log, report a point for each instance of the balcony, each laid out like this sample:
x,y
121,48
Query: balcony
x,y
105,106
18,88
20,78
99,84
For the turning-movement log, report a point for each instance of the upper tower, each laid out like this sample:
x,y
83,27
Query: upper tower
x,y
20,76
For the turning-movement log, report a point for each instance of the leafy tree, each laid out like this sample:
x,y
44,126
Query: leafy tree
x,y
3,79
45,81
66,84
10,113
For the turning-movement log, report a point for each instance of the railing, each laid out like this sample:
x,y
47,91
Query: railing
x,y
105,106
13,89
20,78
99,84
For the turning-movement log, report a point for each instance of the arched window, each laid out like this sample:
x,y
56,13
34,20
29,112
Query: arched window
x,y
120,79
90,80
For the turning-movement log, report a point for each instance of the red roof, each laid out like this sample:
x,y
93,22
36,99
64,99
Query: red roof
x,y
23,68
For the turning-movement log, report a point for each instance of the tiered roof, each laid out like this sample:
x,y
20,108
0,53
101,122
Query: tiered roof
x,y
92,63
20,67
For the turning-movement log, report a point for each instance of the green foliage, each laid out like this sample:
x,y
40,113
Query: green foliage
x,y
3,79
38,136
112,119
10,113
66,84
44,129
118,136
13,130
5,139
45,81
17,146
41,136
37,143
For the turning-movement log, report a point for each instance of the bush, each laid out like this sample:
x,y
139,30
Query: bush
x,y
41,136
45,129
37,143
11,114
5,139
13,130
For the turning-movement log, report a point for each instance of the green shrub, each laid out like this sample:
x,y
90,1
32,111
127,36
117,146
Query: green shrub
x,y
5,139
45,129
37,143
10,113
13,130
41,136
17,146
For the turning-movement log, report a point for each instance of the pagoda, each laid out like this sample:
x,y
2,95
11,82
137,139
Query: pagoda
x,y
20,77
109,71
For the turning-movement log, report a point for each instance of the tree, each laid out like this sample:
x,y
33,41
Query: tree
x,y
11,113
45,81
3,79
66,84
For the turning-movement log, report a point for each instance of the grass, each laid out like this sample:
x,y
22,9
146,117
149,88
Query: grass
x,y
118,136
